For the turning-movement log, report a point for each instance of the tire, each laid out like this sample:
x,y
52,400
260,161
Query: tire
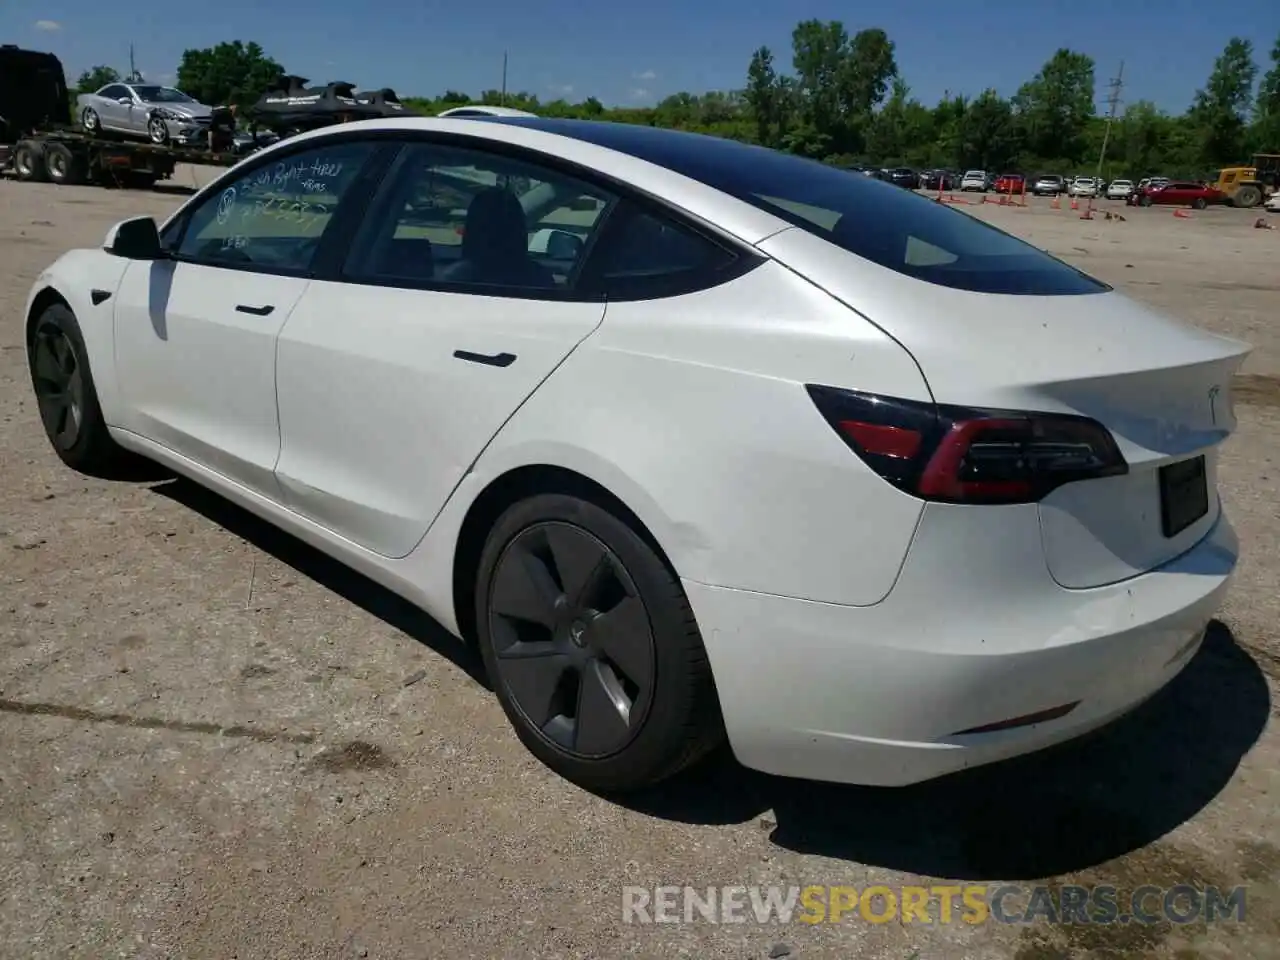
x,y
66,397
62,165
667,679
28,161
158,131
1199,203
1248,196
90,122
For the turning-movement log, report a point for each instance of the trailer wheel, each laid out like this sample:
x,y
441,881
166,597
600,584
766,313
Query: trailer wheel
x,y
63,166
28,161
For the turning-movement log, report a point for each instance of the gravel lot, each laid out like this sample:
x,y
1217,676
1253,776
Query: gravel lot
x,y
216,743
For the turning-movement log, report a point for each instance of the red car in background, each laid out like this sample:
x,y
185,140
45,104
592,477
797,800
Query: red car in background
x,y
1178,193
1011,183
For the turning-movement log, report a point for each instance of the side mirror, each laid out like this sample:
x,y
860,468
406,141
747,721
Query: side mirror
x,y
555,244
124,101
584,203
136,239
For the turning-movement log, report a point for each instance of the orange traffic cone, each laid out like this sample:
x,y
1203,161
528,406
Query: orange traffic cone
x,y
1182,214
1057,203
1075,204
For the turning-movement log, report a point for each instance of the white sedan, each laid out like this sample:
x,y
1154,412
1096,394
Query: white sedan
x,y
747,446
1119,189
975,180
1083,187
1273,204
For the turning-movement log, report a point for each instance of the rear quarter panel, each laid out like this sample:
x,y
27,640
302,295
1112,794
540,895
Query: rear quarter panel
x,y
692,411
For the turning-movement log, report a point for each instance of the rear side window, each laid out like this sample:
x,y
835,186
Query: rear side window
x,y
895,228
643,255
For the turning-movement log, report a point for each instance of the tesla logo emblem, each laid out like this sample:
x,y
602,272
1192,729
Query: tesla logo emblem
x,y
1213,403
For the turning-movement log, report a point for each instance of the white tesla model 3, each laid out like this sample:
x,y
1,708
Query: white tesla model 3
x,y
694,439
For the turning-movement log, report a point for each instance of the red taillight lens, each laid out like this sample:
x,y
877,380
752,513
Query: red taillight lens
x,y
965,455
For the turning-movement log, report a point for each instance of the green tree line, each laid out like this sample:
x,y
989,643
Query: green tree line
x,y
844,101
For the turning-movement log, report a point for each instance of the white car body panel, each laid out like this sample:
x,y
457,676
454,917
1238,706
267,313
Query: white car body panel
x,y
1273,203
848,624
344,388
195,374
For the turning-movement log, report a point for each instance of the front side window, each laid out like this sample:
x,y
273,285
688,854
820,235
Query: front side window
x,y
449,215
274,216
162,95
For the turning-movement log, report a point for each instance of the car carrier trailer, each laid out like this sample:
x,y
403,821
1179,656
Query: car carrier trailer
x,y
38,143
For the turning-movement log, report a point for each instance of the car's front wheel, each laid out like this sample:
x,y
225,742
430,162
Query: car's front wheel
x,y
591,646
91,122
157,131
1199,203
66,396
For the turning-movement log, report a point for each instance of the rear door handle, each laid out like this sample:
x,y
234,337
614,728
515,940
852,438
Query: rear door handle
x,y
489,359
256,311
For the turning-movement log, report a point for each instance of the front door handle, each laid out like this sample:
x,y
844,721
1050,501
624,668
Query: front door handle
x,y
489,359
256,311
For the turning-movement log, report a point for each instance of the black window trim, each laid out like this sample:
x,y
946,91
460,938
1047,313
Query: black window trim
x,y
745,257
334,249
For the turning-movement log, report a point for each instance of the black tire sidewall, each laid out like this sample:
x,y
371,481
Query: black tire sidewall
x,y
659,749
1199,204
93,447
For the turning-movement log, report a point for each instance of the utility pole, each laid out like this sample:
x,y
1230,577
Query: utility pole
x,y
133,69
1113,101
503,98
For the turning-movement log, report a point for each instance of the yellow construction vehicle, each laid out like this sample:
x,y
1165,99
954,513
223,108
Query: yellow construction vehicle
x,y
1250,186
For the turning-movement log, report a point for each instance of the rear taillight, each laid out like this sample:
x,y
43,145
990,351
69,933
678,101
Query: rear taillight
x,y
968,455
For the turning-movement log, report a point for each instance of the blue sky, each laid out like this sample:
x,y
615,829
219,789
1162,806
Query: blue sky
x,y
638,53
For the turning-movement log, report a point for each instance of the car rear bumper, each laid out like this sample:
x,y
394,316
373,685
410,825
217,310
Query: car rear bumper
x,y
884,694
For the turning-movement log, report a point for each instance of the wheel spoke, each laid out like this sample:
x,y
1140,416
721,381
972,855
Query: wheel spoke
x,y
533,682
46,363
624,636
52,408
524,589
577,557
64,355
603,710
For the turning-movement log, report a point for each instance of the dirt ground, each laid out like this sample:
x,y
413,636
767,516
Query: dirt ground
x,y
216,743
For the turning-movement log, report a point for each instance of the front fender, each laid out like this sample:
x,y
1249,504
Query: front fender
x,y
73,277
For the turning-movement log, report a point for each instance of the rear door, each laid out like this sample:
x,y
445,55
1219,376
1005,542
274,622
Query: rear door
x,y
394,374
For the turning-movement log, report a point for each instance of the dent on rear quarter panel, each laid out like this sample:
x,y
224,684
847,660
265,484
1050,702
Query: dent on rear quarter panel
x,y
697,404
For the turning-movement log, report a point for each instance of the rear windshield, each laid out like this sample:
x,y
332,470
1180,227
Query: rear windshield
x,y
895,228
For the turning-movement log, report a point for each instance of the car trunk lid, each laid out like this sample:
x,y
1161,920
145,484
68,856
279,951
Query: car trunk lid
x,y
1161,387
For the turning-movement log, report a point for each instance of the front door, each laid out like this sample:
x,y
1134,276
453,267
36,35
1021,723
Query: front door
x,y
456,302
196,334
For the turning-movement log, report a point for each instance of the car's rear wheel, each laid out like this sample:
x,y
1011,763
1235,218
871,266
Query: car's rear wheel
x,y
1199,203
90,121
592,647
66,396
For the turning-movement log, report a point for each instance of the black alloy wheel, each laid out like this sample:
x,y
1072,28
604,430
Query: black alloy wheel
x,y
59,384
574,646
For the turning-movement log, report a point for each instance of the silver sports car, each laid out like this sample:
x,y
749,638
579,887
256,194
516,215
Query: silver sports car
x,y
159,114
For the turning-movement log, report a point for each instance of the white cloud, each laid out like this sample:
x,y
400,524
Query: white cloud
x,y
639,93
47,26
647,75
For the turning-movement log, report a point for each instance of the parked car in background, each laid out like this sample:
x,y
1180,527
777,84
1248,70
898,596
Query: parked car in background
x,y
1273,204
1084,187
1049,185
1010,183
1179,193
1119,189
974,180
144,110
902,177
484,110
938,180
